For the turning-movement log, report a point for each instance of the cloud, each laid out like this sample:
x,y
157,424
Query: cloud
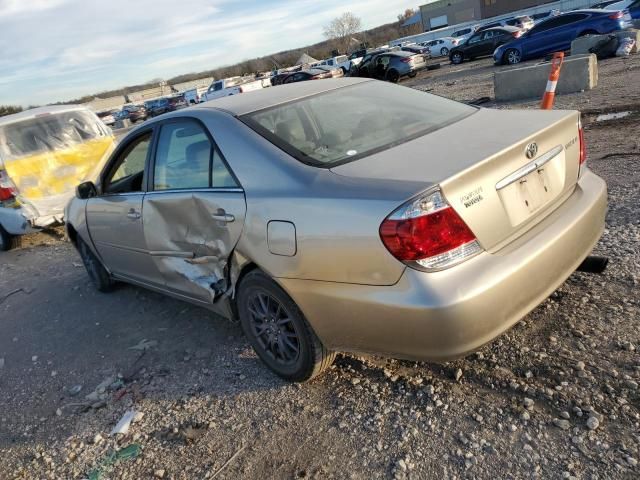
x,y
57,49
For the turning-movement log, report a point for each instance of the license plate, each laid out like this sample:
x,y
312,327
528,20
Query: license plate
x,y
531,188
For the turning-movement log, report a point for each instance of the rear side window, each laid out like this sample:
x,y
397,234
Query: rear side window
x,y
348,123
185,158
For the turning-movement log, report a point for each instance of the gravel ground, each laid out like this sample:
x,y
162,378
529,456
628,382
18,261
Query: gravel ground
x,y
555,397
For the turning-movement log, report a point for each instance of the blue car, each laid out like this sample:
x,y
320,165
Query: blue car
x,y
634,10
557,33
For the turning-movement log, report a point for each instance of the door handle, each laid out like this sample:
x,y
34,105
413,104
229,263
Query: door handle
x,y
133,215
223,217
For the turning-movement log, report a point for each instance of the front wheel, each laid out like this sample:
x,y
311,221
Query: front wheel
x,y
8,241
278,331
457,58
444,51
512,56
97,273
393,76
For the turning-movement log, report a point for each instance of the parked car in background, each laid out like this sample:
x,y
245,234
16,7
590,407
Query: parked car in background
x,y
523,22
165,105
556,34
323,217
483,43
334,71
107,117
193,96
232,86
417,49
136,112
121,115
605,4
634,11
391,66
44,153
309,74
441,47
465,33
341,61
539,17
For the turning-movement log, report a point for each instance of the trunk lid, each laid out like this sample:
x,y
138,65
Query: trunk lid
x,y
483,170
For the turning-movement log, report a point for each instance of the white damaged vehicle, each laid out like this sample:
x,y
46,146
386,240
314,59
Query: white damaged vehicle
x,y
44,153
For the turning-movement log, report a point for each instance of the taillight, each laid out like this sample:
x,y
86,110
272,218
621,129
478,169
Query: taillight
x,y
516,34
427,233
7,189
616,16
583,145
406,59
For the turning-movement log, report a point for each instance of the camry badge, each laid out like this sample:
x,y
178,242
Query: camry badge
x,y
531,151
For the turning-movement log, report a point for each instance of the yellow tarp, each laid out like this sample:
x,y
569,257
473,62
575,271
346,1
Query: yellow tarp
x,y
56,172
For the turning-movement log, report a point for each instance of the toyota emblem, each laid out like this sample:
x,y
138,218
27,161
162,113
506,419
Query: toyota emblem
x,y
531,151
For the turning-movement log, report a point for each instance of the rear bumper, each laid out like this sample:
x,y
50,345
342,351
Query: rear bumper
x,y
444,315
16,221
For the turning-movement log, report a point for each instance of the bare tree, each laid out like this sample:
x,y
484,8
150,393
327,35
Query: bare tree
x,y
341,28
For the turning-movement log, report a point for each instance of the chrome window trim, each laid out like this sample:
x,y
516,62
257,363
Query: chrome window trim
x,y
204,190
529,168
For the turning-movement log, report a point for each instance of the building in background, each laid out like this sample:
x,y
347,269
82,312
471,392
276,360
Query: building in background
x,y
452,12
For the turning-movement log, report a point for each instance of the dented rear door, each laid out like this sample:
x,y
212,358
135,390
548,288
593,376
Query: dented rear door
x,y
193,212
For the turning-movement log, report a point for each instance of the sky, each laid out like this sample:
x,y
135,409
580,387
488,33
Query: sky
x,y
55,50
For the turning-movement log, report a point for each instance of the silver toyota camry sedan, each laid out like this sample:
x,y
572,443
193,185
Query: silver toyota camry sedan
x,y
346,215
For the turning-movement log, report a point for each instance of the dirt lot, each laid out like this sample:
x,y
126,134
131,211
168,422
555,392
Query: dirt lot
x,y
556,397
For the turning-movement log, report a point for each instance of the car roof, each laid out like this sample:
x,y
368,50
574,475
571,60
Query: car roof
x,y
34,112
271,96
508,28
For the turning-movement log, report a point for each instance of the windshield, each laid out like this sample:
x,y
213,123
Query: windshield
x,y
348,123
48,132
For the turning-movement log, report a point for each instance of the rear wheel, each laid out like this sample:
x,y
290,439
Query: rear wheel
x,y
278,331
512,56
413,74
97,273
8,241
444,51
457,58
393,76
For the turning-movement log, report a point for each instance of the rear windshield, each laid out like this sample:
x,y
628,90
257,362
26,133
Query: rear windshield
x,y
349,123
48,132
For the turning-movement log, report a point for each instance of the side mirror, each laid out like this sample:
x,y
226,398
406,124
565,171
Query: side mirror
x,y
86,190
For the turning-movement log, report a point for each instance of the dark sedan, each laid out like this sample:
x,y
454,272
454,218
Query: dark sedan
x,y
483,43
304,75
557,33
136,112
417,49
390,66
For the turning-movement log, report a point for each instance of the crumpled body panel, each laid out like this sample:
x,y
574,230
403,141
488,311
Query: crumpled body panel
x,y
189,246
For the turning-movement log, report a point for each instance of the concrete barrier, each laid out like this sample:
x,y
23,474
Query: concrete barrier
x,y
581,45
578,73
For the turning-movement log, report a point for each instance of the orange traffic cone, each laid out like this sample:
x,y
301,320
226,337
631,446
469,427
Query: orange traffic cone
x,y
550,93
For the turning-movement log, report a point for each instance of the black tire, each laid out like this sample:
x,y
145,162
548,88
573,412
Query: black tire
x,y
512,57
97,273
456,58
412,74
344,71
8,241
444,51
278,331
393,76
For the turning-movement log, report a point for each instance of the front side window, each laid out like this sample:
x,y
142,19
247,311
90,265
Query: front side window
x,y
348,123
127,172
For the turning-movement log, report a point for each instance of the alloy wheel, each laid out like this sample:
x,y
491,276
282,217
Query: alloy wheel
x,y
444,52
273,328
513,56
